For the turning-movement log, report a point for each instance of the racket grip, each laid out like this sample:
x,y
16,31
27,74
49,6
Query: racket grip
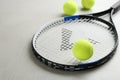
x,y
116,7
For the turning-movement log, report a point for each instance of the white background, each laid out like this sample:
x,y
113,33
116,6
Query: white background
x,y
20,19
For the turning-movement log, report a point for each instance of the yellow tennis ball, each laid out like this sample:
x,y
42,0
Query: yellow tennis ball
x,y
82,49
70,7
88,4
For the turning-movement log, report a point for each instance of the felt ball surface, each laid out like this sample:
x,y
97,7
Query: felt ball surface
x,y
70,7
82,49
88,4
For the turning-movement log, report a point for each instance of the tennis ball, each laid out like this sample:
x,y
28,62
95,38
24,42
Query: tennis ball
x,y
82,49
88,4
70,7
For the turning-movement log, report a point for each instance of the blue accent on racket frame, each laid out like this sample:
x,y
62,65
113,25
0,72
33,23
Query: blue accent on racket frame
x,y
71,18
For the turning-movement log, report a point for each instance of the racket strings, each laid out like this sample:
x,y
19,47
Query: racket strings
x,y
59,22
88,20
55,50
47,27
66,34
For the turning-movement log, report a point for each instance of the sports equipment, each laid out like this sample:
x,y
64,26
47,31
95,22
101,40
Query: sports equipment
x,y
82,49
52,44
88,4
70,7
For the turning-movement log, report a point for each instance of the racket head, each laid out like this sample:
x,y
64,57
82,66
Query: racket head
x,y
52,44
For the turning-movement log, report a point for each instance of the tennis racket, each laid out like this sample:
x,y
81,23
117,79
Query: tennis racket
x,y
52,44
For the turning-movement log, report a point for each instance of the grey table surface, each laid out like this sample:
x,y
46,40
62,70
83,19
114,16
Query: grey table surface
x,y
20,19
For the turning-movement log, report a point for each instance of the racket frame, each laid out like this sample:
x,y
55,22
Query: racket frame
x,y
83,66
115,8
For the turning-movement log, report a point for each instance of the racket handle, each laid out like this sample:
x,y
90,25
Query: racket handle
x,y
116,7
